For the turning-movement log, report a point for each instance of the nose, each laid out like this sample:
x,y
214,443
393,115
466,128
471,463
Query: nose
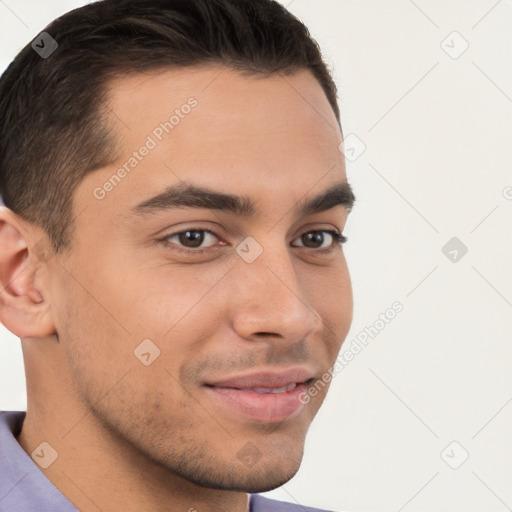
x,y
268,300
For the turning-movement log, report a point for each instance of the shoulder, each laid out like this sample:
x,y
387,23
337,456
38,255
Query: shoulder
x,y
261,504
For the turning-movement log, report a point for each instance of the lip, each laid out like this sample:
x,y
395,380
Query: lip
x,y
234,396
265,379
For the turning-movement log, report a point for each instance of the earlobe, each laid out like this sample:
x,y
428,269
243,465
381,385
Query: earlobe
x,y
23,308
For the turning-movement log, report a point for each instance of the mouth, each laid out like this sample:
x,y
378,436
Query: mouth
x,y
282,389
263,397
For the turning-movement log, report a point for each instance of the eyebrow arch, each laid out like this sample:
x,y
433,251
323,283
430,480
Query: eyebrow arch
x,y
192,196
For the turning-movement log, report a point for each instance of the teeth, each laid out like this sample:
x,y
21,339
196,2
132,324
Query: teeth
x,y
272,390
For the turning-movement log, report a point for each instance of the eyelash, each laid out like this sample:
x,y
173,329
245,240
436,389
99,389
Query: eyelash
x,y
338,239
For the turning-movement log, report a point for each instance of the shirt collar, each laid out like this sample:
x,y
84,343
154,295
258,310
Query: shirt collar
x,y
23,485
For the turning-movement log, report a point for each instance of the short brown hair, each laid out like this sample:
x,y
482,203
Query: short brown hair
x,y
51,129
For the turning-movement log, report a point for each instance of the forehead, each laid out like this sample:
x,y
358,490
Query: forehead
x,y
218,128
229,104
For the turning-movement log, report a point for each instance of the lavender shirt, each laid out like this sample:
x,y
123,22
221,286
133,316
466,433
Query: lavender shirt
x,y
25,488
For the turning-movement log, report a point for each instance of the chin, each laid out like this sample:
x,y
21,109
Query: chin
x,y
271,481
202,466
263,479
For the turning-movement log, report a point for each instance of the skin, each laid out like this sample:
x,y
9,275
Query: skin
x,y
134,437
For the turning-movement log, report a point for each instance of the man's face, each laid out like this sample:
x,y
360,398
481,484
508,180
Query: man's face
x,y
217,315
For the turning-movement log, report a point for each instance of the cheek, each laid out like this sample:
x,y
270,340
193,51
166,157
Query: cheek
x,y
153,298
97,348
95,340
331,297
106,307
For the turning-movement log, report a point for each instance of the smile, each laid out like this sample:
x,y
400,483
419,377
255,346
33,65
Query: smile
x,y
266,397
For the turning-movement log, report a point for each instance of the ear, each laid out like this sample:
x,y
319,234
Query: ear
x,y
23,308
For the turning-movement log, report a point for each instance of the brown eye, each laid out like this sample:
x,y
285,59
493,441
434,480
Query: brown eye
x,y
191,239
318,239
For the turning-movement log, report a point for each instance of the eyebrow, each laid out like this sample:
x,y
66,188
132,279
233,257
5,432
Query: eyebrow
x,y
192,196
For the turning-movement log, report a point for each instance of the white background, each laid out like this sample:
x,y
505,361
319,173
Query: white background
x,y
437,132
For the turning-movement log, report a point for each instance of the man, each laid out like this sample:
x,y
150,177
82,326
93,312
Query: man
x,y
171,255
